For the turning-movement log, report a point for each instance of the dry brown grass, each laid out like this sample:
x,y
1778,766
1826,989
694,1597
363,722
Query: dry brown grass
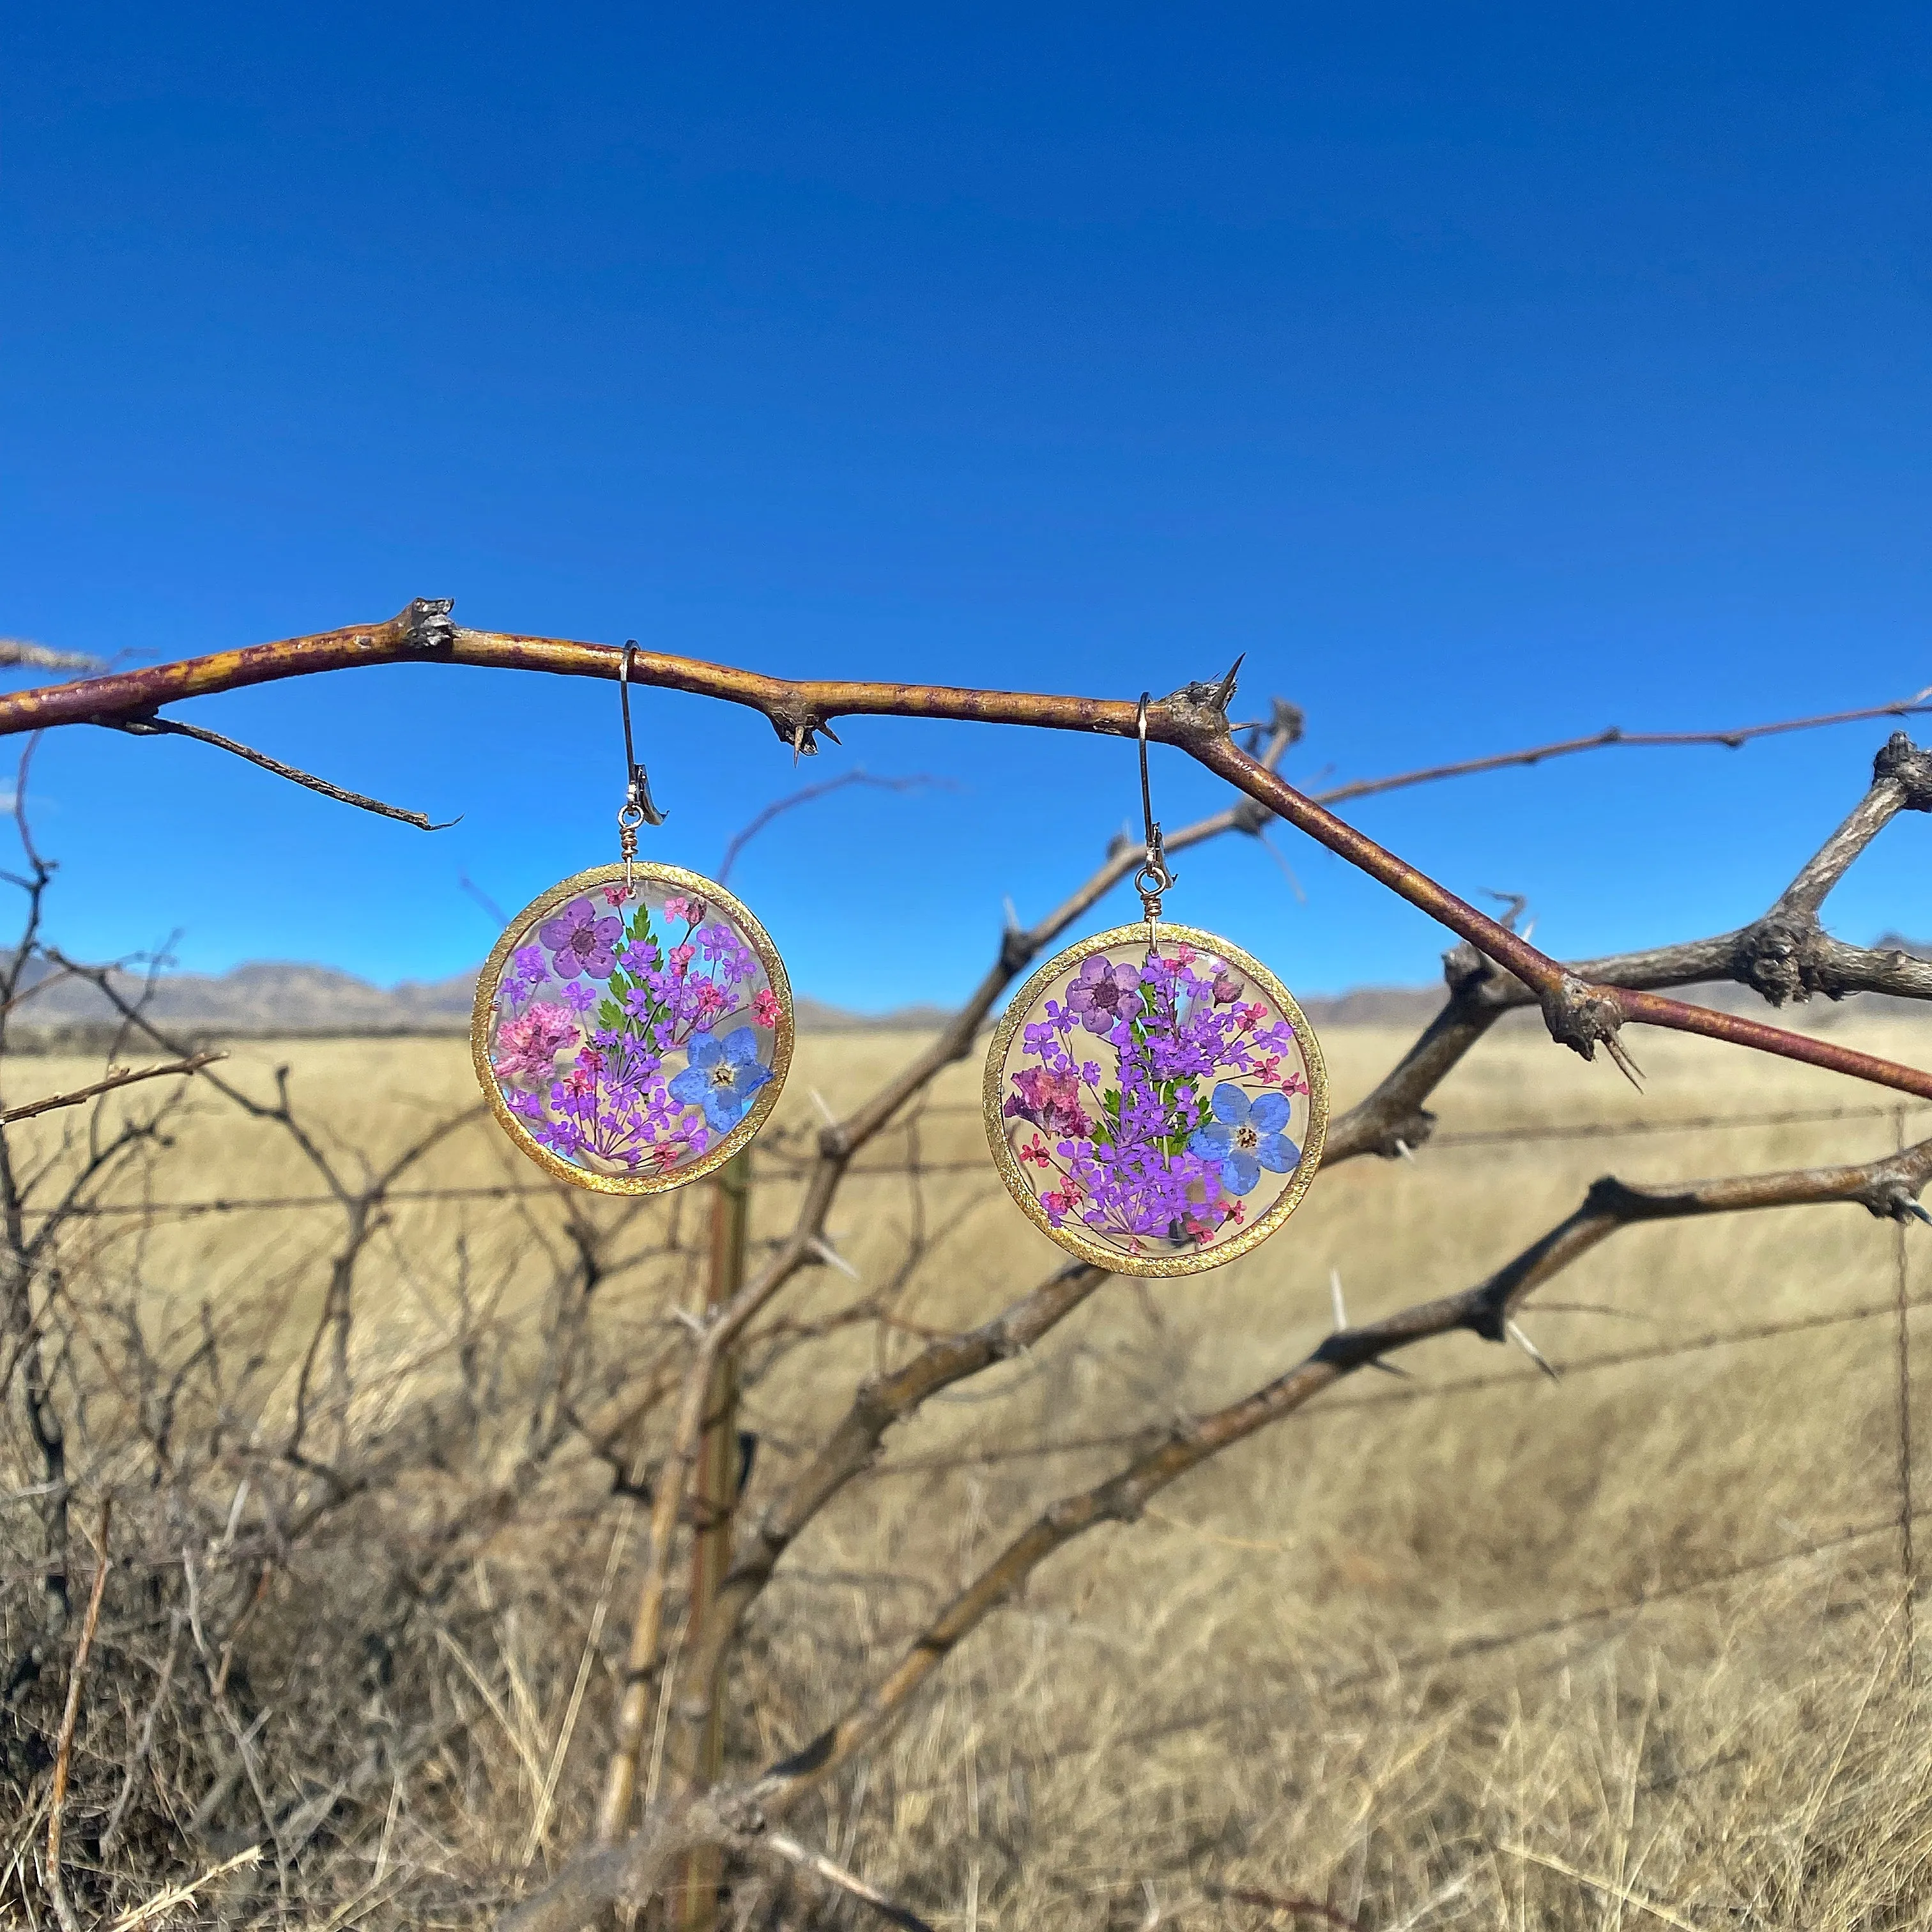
x,y
1283,1681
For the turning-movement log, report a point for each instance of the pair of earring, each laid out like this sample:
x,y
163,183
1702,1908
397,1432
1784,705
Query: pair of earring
x,y
1154,1098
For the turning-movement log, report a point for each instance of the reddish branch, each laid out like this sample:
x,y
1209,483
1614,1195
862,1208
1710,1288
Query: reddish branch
x,y
1786,954
1578,1013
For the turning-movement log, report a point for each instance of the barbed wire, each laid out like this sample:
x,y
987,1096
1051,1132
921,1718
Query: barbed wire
x,y
771,1164
1618,1358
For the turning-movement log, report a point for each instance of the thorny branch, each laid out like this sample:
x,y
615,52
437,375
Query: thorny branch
x,y
837,1144
807,1245
1887,1188
120,1076
1579,1014
1785,955
1581,1004
1598,741
851,1446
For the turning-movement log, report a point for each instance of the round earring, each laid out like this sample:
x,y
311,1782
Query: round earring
x,y
1155,1099
633,1026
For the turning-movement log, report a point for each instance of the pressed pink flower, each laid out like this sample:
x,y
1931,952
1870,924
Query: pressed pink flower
x,y
527,1045
1050,1100
765,1008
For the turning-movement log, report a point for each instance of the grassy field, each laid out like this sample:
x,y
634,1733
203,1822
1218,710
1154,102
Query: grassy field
x,y
1519,1654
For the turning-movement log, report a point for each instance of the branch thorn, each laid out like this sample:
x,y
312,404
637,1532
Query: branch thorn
x,y
1620,1054
1224,690
830,1255
1514,1332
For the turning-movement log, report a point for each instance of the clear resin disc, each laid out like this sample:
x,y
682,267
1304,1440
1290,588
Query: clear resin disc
x,y
1156,1108
631,1039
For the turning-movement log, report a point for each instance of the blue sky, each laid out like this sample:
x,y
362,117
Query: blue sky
x,y
1485,374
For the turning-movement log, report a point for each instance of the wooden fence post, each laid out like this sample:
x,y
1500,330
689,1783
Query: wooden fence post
x,y
713,1506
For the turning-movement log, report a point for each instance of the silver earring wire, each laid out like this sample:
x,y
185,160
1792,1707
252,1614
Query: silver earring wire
x,y
1154,877
638,807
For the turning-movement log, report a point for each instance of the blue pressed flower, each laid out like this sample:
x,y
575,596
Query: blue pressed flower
x,y
722,1076
1245,1136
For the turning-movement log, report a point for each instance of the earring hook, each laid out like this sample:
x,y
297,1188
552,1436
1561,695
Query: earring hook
x,y
1154,877
639,807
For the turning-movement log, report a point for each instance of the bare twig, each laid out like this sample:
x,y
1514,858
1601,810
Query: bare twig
x,y
809,794
122,1076
170,727
69,1720
849,1450
1598,741
833,1874
42,657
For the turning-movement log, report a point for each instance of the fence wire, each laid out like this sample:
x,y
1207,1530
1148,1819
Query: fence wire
x,y
772,1165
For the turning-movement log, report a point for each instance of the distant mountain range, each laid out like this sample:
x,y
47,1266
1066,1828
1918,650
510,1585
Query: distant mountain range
x,y
273,996
276,996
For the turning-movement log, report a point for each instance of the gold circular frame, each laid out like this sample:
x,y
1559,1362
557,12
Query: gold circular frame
x,y
1076,1239
490,978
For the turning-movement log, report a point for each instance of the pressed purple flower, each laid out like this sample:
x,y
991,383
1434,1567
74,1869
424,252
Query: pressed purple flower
x,y
578,997
581,942
1100,993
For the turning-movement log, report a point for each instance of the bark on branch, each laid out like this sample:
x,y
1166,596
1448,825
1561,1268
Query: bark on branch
x,y
1786,954
1579,1014
1888,1187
